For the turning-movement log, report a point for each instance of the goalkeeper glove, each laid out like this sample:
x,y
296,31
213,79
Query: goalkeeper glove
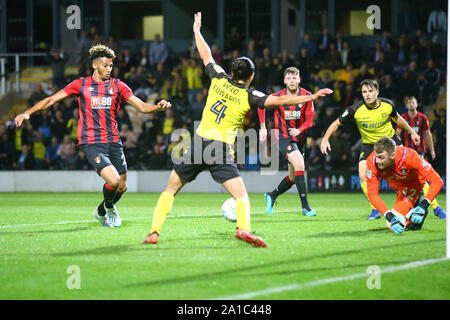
x,y
397,223
417,214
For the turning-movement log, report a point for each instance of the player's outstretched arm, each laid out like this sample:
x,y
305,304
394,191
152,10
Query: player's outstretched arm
x,y
203,49
41,105
289,100
429,140
402,123
325,145
143,107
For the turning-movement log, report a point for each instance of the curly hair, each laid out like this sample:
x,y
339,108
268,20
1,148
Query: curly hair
x,y
100,51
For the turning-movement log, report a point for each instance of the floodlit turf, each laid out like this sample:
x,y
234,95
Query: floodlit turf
x,y
197,257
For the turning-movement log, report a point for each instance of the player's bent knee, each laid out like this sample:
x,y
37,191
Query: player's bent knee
x,y
122,188
114,183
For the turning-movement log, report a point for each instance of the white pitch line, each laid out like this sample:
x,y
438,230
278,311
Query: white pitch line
x,y
128,219
316,283
83,221
219,214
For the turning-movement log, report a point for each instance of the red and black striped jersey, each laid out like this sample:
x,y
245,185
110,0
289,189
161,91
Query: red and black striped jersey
x,y
296,116
419,124
99,103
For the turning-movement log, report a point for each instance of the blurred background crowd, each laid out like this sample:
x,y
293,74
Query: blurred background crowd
x,y
407,65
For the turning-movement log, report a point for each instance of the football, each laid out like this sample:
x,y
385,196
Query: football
x,y
229,210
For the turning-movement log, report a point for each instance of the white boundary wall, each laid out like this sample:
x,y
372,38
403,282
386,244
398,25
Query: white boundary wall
x,y
137,181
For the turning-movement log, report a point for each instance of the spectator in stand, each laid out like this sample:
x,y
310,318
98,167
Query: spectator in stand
x,y
168,125
164,92
424,95
433,76
143,59
7,150
39,150
314,157
123,118
68,105
51,154
323,42
141,84
158,154
339,42
58,59
251,52
179,86
72,160
157,51
382,67
276,74
402,54
194,80
307,44
45,124
347,75
112,43
159,76
234,40
285,59
389,57
216,53
378,52
58,127
129,141
332,60
346,54
84,44
72,126
439,128
338,157
387,87
197,107
26,160
387,40
64,151
128,137
128,60
37,95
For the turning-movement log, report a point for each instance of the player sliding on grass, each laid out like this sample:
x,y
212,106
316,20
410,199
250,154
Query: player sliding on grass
x,y
373,117
291,123
229,100
99,99
406,173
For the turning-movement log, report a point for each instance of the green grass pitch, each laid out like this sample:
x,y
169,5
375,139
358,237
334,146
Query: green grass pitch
x,y
197,257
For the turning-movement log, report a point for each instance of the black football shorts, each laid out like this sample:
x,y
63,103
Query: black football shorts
x,y
287,145
102,155
222,166
367,149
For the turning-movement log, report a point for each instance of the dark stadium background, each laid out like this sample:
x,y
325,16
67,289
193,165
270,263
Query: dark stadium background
x,y
273,33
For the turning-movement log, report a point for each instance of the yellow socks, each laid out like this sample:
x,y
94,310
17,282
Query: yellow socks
x,y
364,189
243,214
161,211
434,204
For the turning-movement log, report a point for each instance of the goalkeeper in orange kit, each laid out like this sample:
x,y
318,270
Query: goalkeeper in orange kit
x,y
406,173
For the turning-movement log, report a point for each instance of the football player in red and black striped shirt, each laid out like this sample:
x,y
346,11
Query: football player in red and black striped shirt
x,y
419,122
291,123
99,99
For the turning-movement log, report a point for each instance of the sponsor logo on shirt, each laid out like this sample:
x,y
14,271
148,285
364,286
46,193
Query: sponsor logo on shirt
x,y
292,114
101,102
